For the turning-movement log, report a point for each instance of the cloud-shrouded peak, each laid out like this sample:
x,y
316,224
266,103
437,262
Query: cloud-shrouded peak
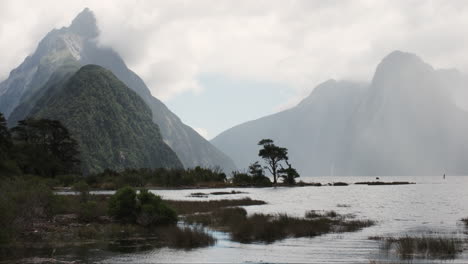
x,y
84,24
399,64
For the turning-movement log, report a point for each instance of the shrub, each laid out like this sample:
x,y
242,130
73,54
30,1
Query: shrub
x,y
244,179
261,181
153,211
241,179
146,208
123,205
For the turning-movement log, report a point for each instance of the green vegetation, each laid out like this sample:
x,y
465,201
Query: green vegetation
x,y
192,207
111,123
144,208
274,156
186,238
409,247
37,218
41,147
110,179
22,202
268,228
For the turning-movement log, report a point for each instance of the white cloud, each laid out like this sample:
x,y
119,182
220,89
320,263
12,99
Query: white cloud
x,y
299,43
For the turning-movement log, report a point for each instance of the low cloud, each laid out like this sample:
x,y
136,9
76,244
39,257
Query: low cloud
x,y
298,43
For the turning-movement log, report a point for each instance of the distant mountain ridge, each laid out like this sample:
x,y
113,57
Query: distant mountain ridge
x,y
405,122
76,45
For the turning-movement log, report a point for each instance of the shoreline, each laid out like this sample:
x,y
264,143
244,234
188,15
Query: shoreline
x,y
226,186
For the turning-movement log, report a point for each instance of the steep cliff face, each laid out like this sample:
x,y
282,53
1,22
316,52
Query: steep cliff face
x,y
76,45
111,123
408,123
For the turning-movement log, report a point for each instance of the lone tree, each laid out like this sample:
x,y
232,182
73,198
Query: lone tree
x,y
273,156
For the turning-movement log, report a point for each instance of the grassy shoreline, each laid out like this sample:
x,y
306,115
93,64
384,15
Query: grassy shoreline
x,y
233,186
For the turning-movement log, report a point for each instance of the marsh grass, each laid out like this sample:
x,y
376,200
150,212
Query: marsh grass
x,y
192,207
186,237
465,221
408,247
268,228
340,184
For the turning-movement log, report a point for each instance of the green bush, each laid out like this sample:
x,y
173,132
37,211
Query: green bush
x,y
146,208
241,179
261,181
153,211
123,205
244,179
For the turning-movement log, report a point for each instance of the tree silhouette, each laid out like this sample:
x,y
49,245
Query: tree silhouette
x,y
273,156
289,174
45,147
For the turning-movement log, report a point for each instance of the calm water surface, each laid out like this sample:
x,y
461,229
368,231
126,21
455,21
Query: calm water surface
x,y
431,205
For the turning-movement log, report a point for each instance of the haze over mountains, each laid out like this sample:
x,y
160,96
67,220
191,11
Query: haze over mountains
x,y
409,120
68,48
405,122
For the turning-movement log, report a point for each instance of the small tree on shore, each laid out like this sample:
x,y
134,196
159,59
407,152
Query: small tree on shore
x,y
273,156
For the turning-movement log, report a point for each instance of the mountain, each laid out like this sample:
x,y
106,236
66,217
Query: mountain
x,y
77,45
314,131
408,123
405,122
111,123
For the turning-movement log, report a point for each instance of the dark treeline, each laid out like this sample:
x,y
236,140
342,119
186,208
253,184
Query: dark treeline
x,y
110,179
39,147
45,148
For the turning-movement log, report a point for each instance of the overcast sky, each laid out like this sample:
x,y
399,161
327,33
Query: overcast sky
x,y
217,63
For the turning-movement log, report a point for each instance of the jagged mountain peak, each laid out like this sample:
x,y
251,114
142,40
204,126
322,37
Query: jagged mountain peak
x,y
84,24
76,45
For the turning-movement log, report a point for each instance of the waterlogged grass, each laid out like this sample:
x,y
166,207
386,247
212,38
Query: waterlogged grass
x,y
465,221
409,247
268,228
192,207
186,237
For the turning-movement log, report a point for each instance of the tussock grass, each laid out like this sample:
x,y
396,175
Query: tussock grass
x,y
192,207
465,221
268,228
186,237
408,247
